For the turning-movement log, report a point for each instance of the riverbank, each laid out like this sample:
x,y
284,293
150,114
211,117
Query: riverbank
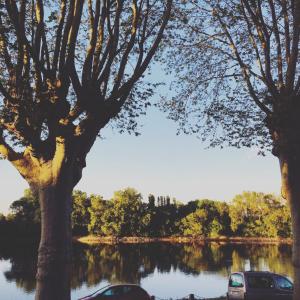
x,y
92,239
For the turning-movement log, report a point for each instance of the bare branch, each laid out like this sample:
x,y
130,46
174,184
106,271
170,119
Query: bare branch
x,y
291,70
63,10
278,42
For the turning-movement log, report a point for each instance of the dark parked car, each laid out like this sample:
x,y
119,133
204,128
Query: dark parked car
x,y
119,292
259,286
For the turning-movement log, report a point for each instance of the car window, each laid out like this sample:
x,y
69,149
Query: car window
x,y
260,282
283,283
127,289
139,291
114,291
236,280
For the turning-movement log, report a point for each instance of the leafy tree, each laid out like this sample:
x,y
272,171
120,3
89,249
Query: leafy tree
x,y
159,201
127,217
194,224
123,215
4,226
80,214
151,200
59,87
278,223
2,218
26,208
247,213
23,219
163,221
239,83
98,207
209,219
257,214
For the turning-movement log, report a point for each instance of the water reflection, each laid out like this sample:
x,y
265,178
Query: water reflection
x,y
23,260
93,265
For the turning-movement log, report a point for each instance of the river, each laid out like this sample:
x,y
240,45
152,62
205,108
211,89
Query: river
x,y
163,269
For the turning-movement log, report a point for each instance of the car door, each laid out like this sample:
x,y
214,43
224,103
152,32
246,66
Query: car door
x,y
284,288
260,287
137,293
127,293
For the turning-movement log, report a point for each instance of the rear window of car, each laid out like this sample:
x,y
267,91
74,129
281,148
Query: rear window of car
x,y
236,280
260,282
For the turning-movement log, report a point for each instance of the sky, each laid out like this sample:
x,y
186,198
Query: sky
x,y
163,163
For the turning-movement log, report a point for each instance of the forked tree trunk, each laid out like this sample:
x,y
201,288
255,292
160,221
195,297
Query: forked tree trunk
x,y
54,255
290,173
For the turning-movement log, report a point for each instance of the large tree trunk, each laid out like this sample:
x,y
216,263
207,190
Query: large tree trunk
x,y
54,256
290,173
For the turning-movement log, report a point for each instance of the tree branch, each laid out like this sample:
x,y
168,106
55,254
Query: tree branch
x,y
243,66
291,69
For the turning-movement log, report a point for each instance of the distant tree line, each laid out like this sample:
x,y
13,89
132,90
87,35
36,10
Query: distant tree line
x,y
249,214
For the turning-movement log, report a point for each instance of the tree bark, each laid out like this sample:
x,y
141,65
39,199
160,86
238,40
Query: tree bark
x,y
54,255
290,175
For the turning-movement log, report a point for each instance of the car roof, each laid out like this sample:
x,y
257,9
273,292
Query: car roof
x,y
122,284
256,273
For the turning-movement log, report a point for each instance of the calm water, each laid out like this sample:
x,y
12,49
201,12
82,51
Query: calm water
x,y
164,270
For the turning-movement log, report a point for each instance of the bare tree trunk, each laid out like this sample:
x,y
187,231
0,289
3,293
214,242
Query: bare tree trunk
x,y
290,173
54,256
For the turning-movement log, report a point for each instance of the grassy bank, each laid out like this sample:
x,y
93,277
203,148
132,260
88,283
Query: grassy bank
x,y
92,239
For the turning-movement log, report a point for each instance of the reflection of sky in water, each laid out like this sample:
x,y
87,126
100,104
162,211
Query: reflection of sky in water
x,y
176,284
8,290
165,271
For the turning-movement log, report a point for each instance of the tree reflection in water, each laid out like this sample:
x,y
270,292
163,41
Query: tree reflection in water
x,y
131,263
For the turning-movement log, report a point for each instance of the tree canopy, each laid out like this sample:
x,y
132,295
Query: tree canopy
x,y
67,69
237,70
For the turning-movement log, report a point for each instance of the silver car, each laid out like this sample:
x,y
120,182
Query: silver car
x,y
259,286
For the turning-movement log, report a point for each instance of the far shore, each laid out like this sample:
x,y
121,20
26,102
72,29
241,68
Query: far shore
x,y
92,239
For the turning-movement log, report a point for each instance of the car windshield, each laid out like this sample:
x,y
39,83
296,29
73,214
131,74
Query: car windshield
x,y
101,289
283,283
236,280
260,282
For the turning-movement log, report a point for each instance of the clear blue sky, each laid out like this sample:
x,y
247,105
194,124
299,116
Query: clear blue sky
x,y
162,163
